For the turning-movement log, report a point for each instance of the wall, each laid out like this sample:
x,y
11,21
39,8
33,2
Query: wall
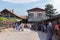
x,y
35,16
8,15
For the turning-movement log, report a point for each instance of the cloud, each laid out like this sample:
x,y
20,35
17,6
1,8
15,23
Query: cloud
x,y
56,4
20,1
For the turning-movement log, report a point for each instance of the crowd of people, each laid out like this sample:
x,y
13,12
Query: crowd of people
x,y
48,28
15,25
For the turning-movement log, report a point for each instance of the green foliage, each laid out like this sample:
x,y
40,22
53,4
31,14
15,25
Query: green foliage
x,y
13,19
10,19
49,10
2,18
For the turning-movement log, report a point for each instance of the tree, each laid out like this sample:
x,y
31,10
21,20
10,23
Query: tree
x,y
50,11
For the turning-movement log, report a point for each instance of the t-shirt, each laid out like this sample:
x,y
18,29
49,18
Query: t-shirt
x,y
49,29
57,27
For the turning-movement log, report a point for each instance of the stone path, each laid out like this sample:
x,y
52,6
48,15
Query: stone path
x,y
27,34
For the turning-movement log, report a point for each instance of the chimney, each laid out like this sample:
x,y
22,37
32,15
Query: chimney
x,y
12,11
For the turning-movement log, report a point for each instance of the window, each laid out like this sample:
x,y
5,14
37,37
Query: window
x,y
6,16
35,15
39,15
30,15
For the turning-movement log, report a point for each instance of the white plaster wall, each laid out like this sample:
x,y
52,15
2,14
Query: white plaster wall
x,y
39,18
43,15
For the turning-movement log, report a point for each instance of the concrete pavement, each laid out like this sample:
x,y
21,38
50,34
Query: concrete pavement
x,y
27,34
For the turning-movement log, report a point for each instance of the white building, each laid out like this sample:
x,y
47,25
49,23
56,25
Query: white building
x,y
36,14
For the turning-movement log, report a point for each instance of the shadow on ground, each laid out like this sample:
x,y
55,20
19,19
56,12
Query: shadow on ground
x,y
42,35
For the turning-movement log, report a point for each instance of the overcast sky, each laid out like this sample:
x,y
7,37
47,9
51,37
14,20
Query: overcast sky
x,y
21,6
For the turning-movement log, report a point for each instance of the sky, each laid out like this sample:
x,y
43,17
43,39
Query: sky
x,y
20,7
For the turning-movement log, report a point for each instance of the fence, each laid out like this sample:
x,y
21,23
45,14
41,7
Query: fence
x,y
0,23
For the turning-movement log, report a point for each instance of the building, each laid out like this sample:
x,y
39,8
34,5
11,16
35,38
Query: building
x,y
9,14
24,19
54,20
36,15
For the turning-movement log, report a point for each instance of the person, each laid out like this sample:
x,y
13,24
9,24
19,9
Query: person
x,y
41,27
16,26
57,31
36,27
4,23
21,26
29,25
49,31
32,26
13,25
44,28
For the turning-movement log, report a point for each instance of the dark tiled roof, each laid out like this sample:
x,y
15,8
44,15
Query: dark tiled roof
x,y
35,9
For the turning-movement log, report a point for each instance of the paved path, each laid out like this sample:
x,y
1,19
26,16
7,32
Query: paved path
x,y
27,34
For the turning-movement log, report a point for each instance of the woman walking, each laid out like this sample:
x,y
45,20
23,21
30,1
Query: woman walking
x,y
21,26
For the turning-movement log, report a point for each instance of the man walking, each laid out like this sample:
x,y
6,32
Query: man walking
x,y
49,31
16,26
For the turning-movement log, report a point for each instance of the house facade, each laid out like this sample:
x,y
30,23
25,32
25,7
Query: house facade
x,y
8,14
36,15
